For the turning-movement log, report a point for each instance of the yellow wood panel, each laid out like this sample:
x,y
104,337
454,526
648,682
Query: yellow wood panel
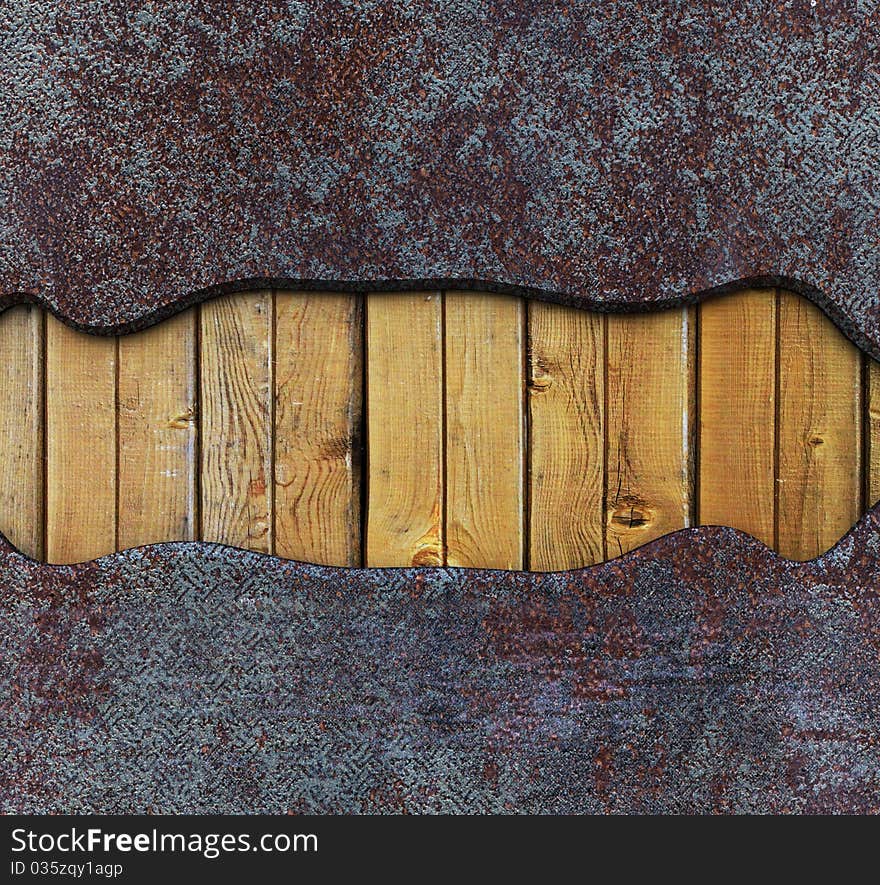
x,y
872,417
484,431
566,457
405,429
650,387
737,397
117,476
236,420
80,444
318,385
819,432
158,434
21,428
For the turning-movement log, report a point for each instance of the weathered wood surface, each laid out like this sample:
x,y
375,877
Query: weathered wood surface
x,y
649,391
404,435
82,453
819,431
157,434
566,443
318,402
737,394
434,428
22,429
236,384
484,431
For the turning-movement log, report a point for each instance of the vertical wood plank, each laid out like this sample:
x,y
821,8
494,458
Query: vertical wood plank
x,y
318,390
566,457
22,351
819,433
485,376
81,504
157,434
872,432
236,401
405,429
737,444
650,386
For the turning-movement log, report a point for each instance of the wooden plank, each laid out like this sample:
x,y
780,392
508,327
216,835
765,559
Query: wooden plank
x,y
650,393
236,412
872,432
819,431
484,432
157,434
809,432
566,457
737,395
22,350
81,504
405,429
318,391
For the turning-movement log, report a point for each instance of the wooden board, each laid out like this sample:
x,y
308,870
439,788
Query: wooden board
x,y
405,429
463,429
318,358
81,451
872,432
819,435
737,408
22,350
484,430
650,417
158,434
566,453
236,384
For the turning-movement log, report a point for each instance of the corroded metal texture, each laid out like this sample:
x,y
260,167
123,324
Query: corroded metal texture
x,y
608,155
702,673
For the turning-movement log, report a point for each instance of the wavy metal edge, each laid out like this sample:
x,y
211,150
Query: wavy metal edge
x,y
684,538
175,304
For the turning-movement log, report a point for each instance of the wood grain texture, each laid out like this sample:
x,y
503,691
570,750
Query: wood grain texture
x,y
499,433
81,453
566,454
318,381
737,395
872,432
236,387
484,430
22,350
405,429
819,433
158,401
650,415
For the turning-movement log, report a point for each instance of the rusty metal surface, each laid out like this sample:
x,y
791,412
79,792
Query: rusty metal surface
x,y
702,673
607,155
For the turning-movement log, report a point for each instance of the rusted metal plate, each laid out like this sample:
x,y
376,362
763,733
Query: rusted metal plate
x,y
702,673
607,155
